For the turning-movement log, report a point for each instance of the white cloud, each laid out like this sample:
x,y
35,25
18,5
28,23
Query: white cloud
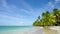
x,y
10,20
25,11
51,4
26,5
17,18
56,0
4,4
54,3
13,8
10,17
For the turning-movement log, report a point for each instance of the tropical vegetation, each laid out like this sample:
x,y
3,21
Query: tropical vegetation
x,y
48,18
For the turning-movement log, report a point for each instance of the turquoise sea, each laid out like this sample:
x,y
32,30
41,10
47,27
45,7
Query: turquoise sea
x,y
20,30
27,30
3,28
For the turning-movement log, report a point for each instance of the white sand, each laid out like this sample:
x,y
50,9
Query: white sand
x,y
34,30
57,28
52,30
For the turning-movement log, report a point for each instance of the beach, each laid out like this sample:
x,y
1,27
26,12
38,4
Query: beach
x,y
34,30
52,30
56,28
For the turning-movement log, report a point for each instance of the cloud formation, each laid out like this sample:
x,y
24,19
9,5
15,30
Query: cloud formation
x,y
51,4
54,3
21,13
12,15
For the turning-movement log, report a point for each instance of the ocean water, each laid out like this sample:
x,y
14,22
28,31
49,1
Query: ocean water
x,y
3,28
27,30
20,30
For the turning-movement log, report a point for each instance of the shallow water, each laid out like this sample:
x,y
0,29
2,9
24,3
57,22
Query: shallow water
x,y
2,28
28,30
20,30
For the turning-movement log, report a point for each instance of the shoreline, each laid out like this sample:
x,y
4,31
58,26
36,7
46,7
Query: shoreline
x,y
34,30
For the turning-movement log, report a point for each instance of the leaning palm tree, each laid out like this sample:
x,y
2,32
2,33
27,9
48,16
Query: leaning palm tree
x,y
36,23
56,13
46,17
49,19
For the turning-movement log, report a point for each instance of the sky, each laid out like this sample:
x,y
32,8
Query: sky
x,y
24,12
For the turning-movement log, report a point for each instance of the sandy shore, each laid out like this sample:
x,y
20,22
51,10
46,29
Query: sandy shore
x,y
34,30
56,28
52,30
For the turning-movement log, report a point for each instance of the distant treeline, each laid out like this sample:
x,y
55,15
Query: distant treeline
x,y
48,18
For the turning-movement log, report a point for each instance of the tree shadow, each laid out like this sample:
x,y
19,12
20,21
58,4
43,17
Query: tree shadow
x,y
47,30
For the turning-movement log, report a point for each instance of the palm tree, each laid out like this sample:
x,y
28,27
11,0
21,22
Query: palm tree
x,y
56,12
48,19
36,23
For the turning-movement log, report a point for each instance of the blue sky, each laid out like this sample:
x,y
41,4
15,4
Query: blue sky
x,y
24,12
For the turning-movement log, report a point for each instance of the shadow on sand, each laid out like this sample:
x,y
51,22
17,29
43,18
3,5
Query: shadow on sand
x,y
47,30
